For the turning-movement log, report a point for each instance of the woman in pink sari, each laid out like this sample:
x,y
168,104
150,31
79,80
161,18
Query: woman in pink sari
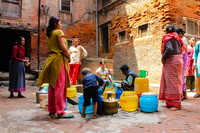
x,y
189,73
171,79
181,33
55,70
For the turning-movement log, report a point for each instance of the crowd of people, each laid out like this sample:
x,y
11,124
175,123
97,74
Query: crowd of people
x,y
179,58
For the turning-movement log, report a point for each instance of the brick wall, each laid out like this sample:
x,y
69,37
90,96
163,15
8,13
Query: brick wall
x,y
80,24
143,53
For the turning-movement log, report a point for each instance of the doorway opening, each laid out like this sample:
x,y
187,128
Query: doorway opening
x,y
7,41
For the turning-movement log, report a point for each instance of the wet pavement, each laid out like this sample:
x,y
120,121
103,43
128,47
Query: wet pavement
x,y
24,115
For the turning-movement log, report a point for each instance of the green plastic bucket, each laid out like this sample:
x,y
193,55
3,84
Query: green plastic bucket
x,y
143,73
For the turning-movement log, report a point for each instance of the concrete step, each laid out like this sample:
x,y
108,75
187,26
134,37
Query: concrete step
x,y
5,76
6,83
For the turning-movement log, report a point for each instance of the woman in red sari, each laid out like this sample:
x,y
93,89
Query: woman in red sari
x,y
171,79
17,69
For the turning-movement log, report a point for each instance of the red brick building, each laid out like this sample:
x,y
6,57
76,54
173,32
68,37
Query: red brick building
x,y
129,31
30,18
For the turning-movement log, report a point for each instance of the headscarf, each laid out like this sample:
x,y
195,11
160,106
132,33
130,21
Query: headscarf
x,y
169,36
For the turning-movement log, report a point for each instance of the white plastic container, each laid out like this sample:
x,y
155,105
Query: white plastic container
x,y
43,100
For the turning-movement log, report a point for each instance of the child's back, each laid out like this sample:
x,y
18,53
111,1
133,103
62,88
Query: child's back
x,y
91,80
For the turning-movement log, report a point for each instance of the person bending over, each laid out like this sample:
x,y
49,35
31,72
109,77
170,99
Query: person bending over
x,y
128,84
90,90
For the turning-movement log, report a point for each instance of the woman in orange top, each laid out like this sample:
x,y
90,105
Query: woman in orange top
x,y
55,69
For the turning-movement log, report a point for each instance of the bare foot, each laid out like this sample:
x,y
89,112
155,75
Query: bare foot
x,y
175,109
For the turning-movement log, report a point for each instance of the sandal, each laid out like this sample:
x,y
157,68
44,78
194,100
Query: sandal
x,y
95,116
83,115
66,117
53,115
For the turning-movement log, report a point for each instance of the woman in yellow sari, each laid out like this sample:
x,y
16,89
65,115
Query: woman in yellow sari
x,y
55,69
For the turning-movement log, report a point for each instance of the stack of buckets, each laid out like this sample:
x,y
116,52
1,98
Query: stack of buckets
x,y
147,101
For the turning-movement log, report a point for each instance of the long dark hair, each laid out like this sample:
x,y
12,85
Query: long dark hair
x,y
52,25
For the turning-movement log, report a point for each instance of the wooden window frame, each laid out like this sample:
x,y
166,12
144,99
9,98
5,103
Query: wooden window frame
x,y
139,28
120,35
10,14
197,22
61,5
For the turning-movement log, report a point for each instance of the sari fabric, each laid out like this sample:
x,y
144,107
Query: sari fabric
x,y
52,66
171,79
17,70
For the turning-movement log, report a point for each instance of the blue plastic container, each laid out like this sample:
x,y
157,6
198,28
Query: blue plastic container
x,y
66,104
148,102
89,109
118,92
100,91
100,109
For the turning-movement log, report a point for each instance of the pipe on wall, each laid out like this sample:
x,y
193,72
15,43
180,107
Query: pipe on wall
x,y
97,31
38,53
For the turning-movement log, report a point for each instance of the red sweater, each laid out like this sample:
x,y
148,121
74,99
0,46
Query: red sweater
x,y
18,53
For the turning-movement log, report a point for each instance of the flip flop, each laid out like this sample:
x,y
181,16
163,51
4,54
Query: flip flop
x,y
66,117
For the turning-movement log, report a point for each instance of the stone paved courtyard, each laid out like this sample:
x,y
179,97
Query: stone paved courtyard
x,y
25,116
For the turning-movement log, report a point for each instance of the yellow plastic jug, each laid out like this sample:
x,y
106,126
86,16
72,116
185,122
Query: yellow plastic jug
x,y
141,85
129,101
109,88
71,91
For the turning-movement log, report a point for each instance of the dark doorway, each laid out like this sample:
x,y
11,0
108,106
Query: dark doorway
x,y
104,37
7,41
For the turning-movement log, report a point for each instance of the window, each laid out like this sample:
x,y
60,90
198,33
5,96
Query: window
x,y
192,27
11,8
13,1
65,5
104,38
122,36
142,31
104,2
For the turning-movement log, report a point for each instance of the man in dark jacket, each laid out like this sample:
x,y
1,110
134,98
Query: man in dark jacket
x,y
128,84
